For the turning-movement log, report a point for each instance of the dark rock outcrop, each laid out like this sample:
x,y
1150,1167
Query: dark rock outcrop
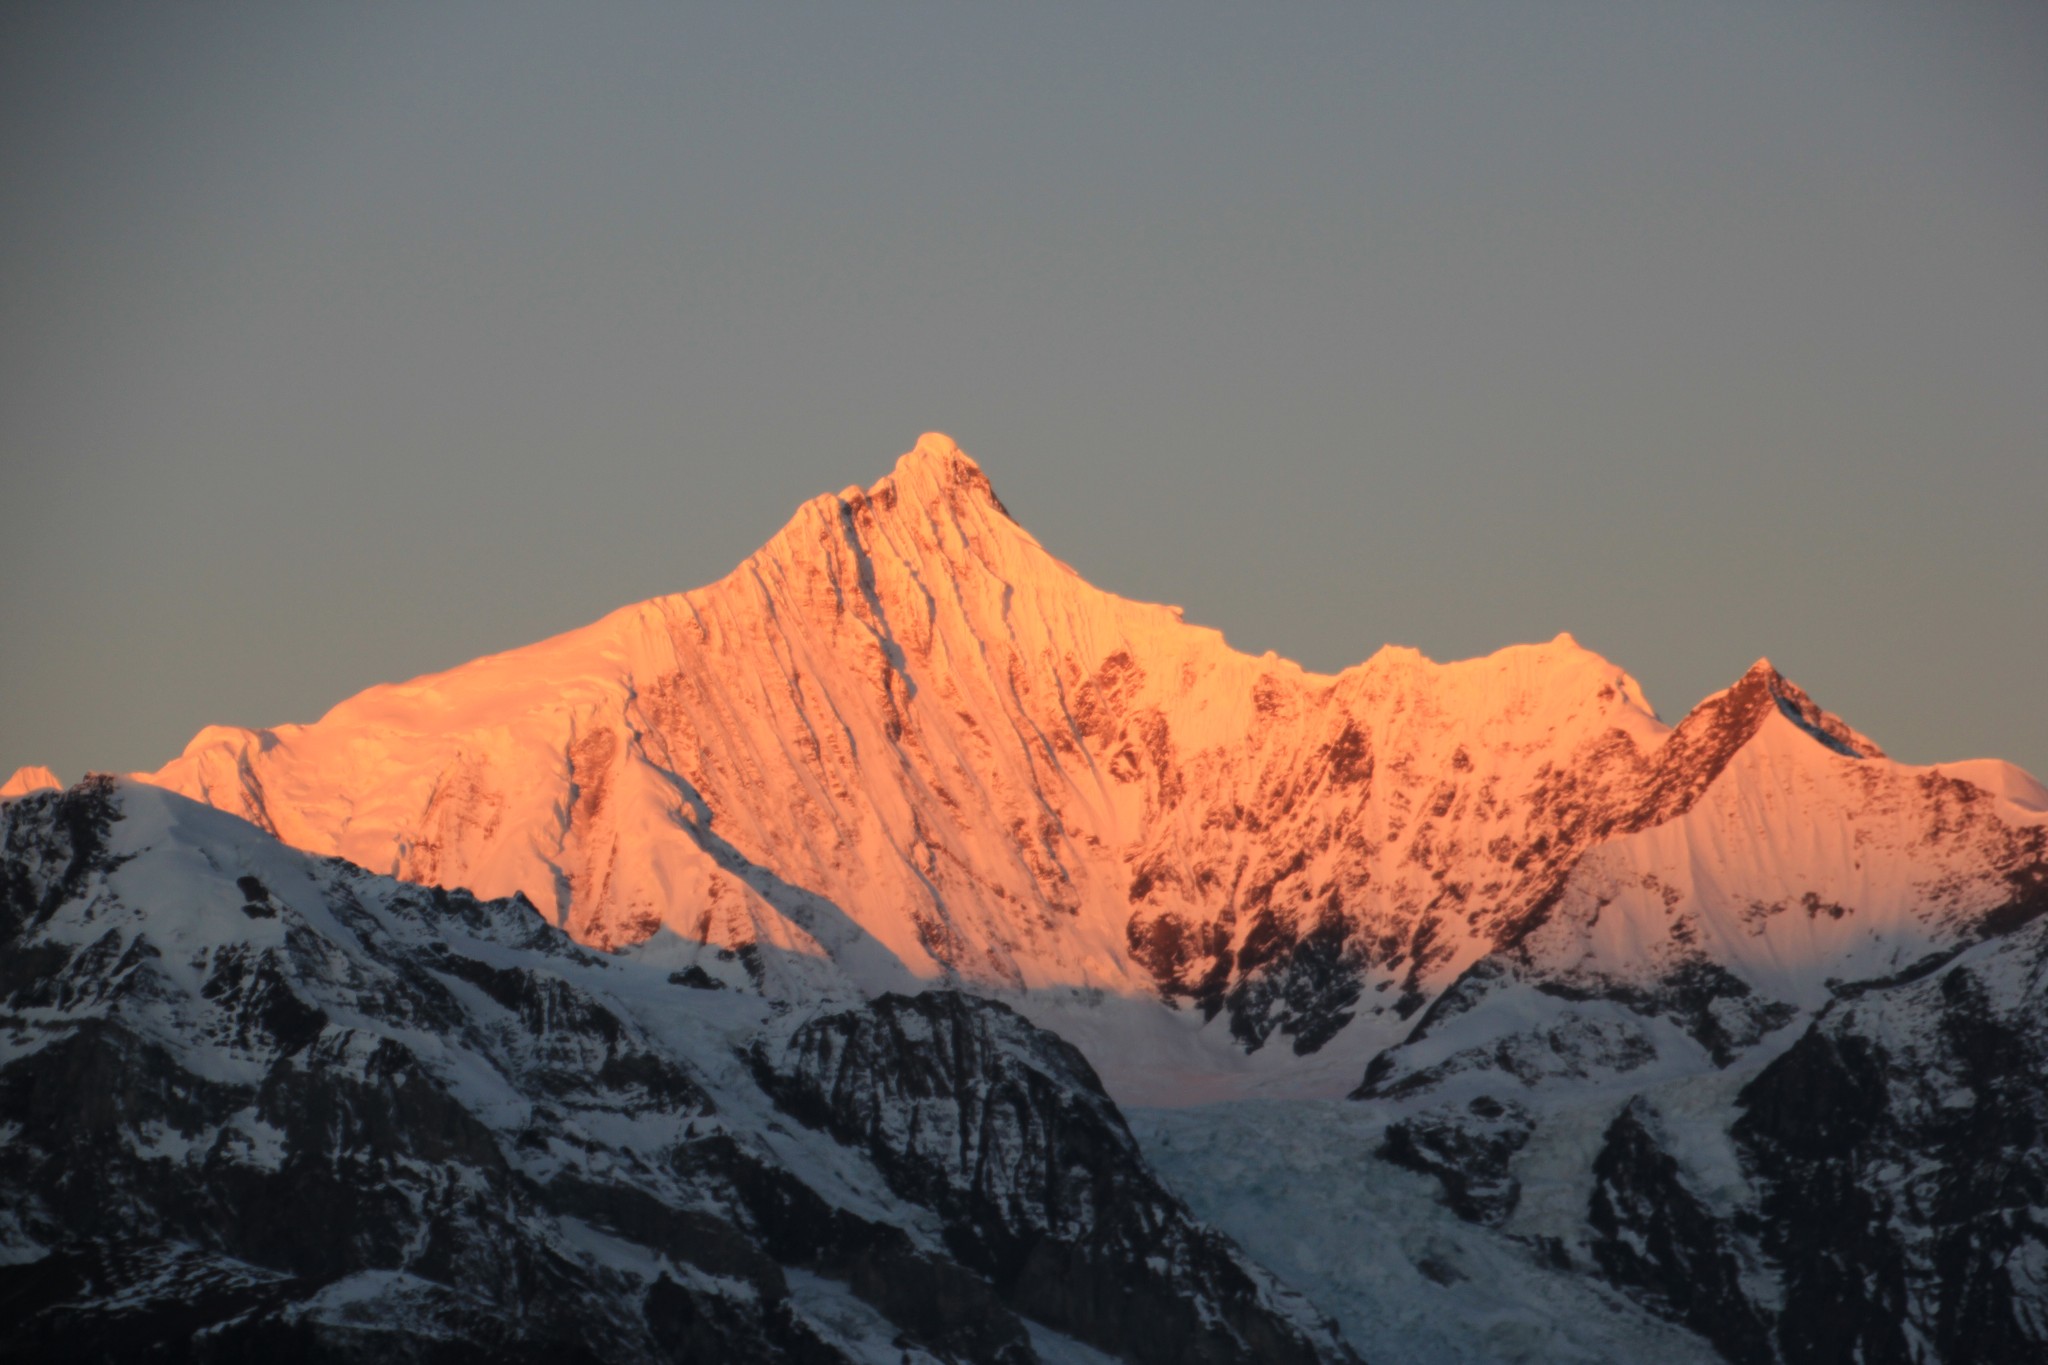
x,y
1896,1175
365,1121
1004,1130
1468,1149
1657,1238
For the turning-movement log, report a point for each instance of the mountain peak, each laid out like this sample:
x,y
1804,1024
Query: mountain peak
x,y
1806,713
904,743
1761,690
33,778
935,470
937,445
935,456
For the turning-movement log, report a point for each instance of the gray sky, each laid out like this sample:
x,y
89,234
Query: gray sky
x,y
340,344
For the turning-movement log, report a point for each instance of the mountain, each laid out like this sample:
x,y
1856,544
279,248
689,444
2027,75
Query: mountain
x,y
903,745
1865,1184
261,1105
814,924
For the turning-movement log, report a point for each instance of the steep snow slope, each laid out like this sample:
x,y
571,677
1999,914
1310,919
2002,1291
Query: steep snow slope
x,y
1789,1101
302,1110
257,1105
1629,1001
903,744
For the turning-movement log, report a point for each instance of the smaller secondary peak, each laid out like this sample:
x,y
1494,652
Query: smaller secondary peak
x,y
1762,690
33,778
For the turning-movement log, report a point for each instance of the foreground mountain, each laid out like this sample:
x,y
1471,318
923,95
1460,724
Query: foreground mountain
x,y
903,745
261,1105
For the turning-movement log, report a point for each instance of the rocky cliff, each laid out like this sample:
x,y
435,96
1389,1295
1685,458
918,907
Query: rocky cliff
x,y
259,1104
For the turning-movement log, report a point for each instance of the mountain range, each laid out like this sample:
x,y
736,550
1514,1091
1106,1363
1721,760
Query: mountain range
x,y
1720,1030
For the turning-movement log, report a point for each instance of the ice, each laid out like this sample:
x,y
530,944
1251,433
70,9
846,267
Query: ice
x,y
1296,1184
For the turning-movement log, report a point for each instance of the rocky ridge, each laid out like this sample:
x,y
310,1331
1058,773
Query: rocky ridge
x,y
261,1104
903,745
1892,1181
1795,1169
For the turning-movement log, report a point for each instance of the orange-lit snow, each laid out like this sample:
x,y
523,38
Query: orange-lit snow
x,y
33,778
902,742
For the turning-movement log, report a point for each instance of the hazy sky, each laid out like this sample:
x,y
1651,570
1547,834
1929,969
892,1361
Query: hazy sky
x,y
340,344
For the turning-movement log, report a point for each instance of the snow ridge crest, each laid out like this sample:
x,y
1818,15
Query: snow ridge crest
x,y
903,743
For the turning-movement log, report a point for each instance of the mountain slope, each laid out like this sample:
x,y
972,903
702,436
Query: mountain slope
x,y
1867,1186
903,744
259,1105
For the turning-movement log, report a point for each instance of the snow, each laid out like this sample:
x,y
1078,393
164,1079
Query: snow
x,y
1807,861
28,779
1296,1184
2001,779
721,763
938,444
1147,1053
381,1301
835,1313
1055,1349
247,1140
902,745
354,946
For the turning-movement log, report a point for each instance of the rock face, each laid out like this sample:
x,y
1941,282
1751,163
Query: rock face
x,y
1469,1150
260,1105
1800,1123
1902,1170
968,1109
1894,1176
1656,1238
902,744
1861,1183
1728,1031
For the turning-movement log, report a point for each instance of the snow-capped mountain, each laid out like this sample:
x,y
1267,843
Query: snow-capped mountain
x,y
257,1105
1659,1042
902,744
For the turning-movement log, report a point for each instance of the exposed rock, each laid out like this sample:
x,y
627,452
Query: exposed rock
x,y
1005,1131
381,1122
1894,1172
1467,1148
1655,1237
1900,1147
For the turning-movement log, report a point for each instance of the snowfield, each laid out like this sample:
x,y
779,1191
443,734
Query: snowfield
x,y
1297,1184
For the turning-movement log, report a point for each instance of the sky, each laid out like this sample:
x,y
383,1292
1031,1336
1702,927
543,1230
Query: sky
x,y
340,344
